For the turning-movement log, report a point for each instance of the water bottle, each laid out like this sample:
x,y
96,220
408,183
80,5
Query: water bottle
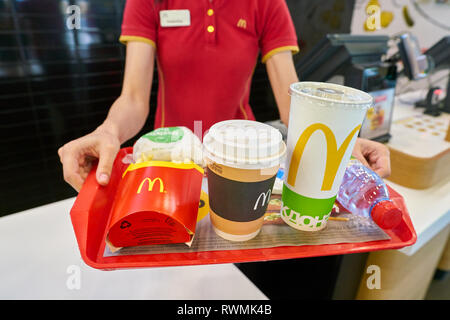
x,y
364,193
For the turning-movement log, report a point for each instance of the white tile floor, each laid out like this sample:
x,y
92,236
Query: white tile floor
x,y
39,259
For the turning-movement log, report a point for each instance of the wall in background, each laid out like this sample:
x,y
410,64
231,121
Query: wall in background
x,y
56,85
431,20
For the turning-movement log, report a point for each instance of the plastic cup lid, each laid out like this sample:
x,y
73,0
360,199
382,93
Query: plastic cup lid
x,y
331,93
244,144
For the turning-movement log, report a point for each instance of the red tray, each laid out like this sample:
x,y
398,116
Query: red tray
x,y
90,214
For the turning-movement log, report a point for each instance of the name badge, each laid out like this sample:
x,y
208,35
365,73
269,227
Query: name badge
x,y
175,18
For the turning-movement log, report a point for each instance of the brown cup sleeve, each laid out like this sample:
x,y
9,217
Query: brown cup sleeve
x,y
238,201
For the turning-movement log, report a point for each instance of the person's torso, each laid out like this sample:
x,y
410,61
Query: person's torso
x,y
205,68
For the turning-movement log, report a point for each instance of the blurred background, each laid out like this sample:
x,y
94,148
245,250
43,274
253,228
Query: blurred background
x,y
57,84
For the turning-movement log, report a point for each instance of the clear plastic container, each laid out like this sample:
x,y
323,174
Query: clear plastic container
x,y
364,193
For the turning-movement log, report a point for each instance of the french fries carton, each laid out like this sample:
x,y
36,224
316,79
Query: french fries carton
x,y
156,203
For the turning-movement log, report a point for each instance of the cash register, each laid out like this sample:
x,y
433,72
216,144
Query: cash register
x,y
439,59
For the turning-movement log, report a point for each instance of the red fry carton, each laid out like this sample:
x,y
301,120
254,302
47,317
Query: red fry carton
x,y
156,203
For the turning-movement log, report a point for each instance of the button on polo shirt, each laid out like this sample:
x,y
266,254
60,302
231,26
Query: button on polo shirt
x,y
205,69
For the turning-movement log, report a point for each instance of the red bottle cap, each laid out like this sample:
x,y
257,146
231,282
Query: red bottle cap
x,y
386,214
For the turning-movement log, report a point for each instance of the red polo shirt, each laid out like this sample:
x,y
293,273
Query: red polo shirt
x,y
205,69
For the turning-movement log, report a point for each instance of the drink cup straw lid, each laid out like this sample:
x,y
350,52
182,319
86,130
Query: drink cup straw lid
x,y
329,93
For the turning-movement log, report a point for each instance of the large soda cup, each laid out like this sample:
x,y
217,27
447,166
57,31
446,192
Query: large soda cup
x,y
324,122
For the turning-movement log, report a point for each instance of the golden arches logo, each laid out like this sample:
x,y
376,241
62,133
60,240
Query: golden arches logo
x,y
334,155
151,183
265,196
242,23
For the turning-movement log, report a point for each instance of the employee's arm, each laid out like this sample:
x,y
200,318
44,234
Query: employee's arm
x,y
281,71
125,119
129,112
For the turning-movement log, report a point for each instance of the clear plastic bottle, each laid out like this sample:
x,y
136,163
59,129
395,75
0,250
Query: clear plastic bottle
x,y
363,192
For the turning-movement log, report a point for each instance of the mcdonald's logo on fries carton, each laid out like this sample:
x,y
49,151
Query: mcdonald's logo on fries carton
x,y
151,183
156,203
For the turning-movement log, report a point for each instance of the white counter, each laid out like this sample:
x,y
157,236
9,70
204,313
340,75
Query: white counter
x,y
40,260
429,208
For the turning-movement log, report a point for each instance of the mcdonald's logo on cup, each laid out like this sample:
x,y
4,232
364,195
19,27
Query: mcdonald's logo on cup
x,y
265,196
323,127
334,155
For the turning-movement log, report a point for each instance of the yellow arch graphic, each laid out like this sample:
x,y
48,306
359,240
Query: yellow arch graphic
x,y
151,183
334,155
242,23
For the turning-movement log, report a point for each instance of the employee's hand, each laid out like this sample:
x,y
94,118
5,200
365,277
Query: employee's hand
x,y
126,117
78,155
373,155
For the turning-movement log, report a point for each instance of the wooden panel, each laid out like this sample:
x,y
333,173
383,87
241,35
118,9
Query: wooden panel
x,y
402,276
418,173
420,154
444,263
447,137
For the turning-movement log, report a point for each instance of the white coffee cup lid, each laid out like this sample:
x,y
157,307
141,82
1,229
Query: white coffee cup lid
x,y
244,144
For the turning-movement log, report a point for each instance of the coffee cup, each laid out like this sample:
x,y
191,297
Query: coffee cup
x,y
242,159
